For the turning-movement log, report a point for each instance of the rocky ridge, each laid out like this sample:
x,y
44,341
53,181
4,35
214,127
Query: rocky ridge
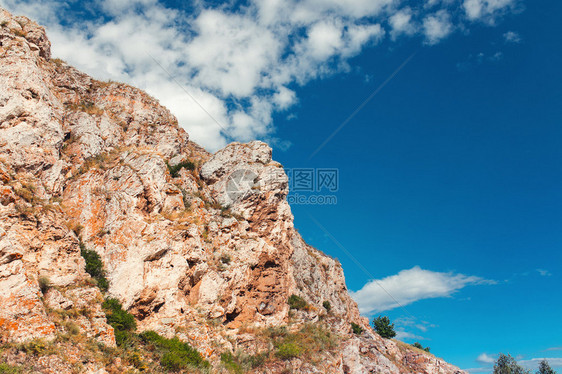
x,y
206,252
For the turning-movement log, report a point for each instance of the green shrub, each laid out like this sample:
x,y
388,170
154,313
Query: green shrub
x,y
175,170
288,350
44,283
36,347
357,330
94,267
383,327
312,339
297,302
174,354
231,363
123,322
419,346
10,369
326,304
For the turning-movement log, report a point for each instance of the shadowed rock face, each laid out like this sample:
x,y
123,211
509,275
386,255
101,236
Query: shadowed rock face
x,y
83,160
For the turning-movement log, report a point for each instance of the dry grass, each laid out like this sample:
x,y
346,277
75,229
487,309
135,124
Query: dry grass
x,y
86,107
58,62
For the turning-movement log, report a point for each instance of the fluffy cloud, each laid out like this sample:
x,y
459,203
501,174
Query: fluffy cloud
x,y
437,26
224,70
484,358
487,10
409,286
401,22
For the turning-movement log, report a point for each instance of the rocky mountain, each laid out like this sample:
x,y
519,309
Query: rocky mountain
x,y
198,247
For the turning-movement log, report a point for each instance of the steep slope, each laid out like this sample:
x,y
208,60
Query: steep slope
x,y
194,245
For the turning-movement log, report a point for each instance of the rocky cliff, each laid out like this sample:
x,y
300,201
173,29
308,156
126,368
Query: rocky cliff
x,y
195,246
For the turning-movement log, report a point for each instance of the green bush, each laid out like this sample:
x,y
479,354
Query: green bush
x,y
419,346
383,327
297,302
231,363
357,330
175,170
326,304
288,350
174,354
44,283
242,363
123,322
10,369
94,267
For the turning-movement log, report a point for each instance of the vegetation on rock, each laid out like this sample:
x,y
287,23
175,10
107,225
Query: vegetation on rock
x,y
297,302
357,330
175,169
419,346
94,267
383,327
174,354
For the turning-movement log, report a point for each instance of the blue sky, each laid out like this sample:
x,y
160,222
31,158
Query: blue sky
x,y
449,177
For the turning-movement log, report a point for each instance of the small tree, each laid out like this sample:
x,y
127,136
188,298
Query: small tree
x,y
507,365
383,327
544,368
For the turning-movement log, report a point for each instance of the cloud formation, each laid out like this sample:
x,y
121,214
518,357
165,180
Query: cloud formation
x,y
512,37
533,364
484,358
241,62
409,286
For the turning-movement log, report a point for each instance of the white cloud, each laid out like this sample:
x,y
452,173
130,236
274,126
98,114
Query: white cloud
x,y
409,286
237,64
413,323
487,10
401,23
484,358
437,26
512,37
403,335
533,364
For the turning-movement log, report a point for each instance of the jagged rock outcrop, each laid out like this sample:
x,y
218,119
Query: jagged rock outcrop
x,y
206,254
